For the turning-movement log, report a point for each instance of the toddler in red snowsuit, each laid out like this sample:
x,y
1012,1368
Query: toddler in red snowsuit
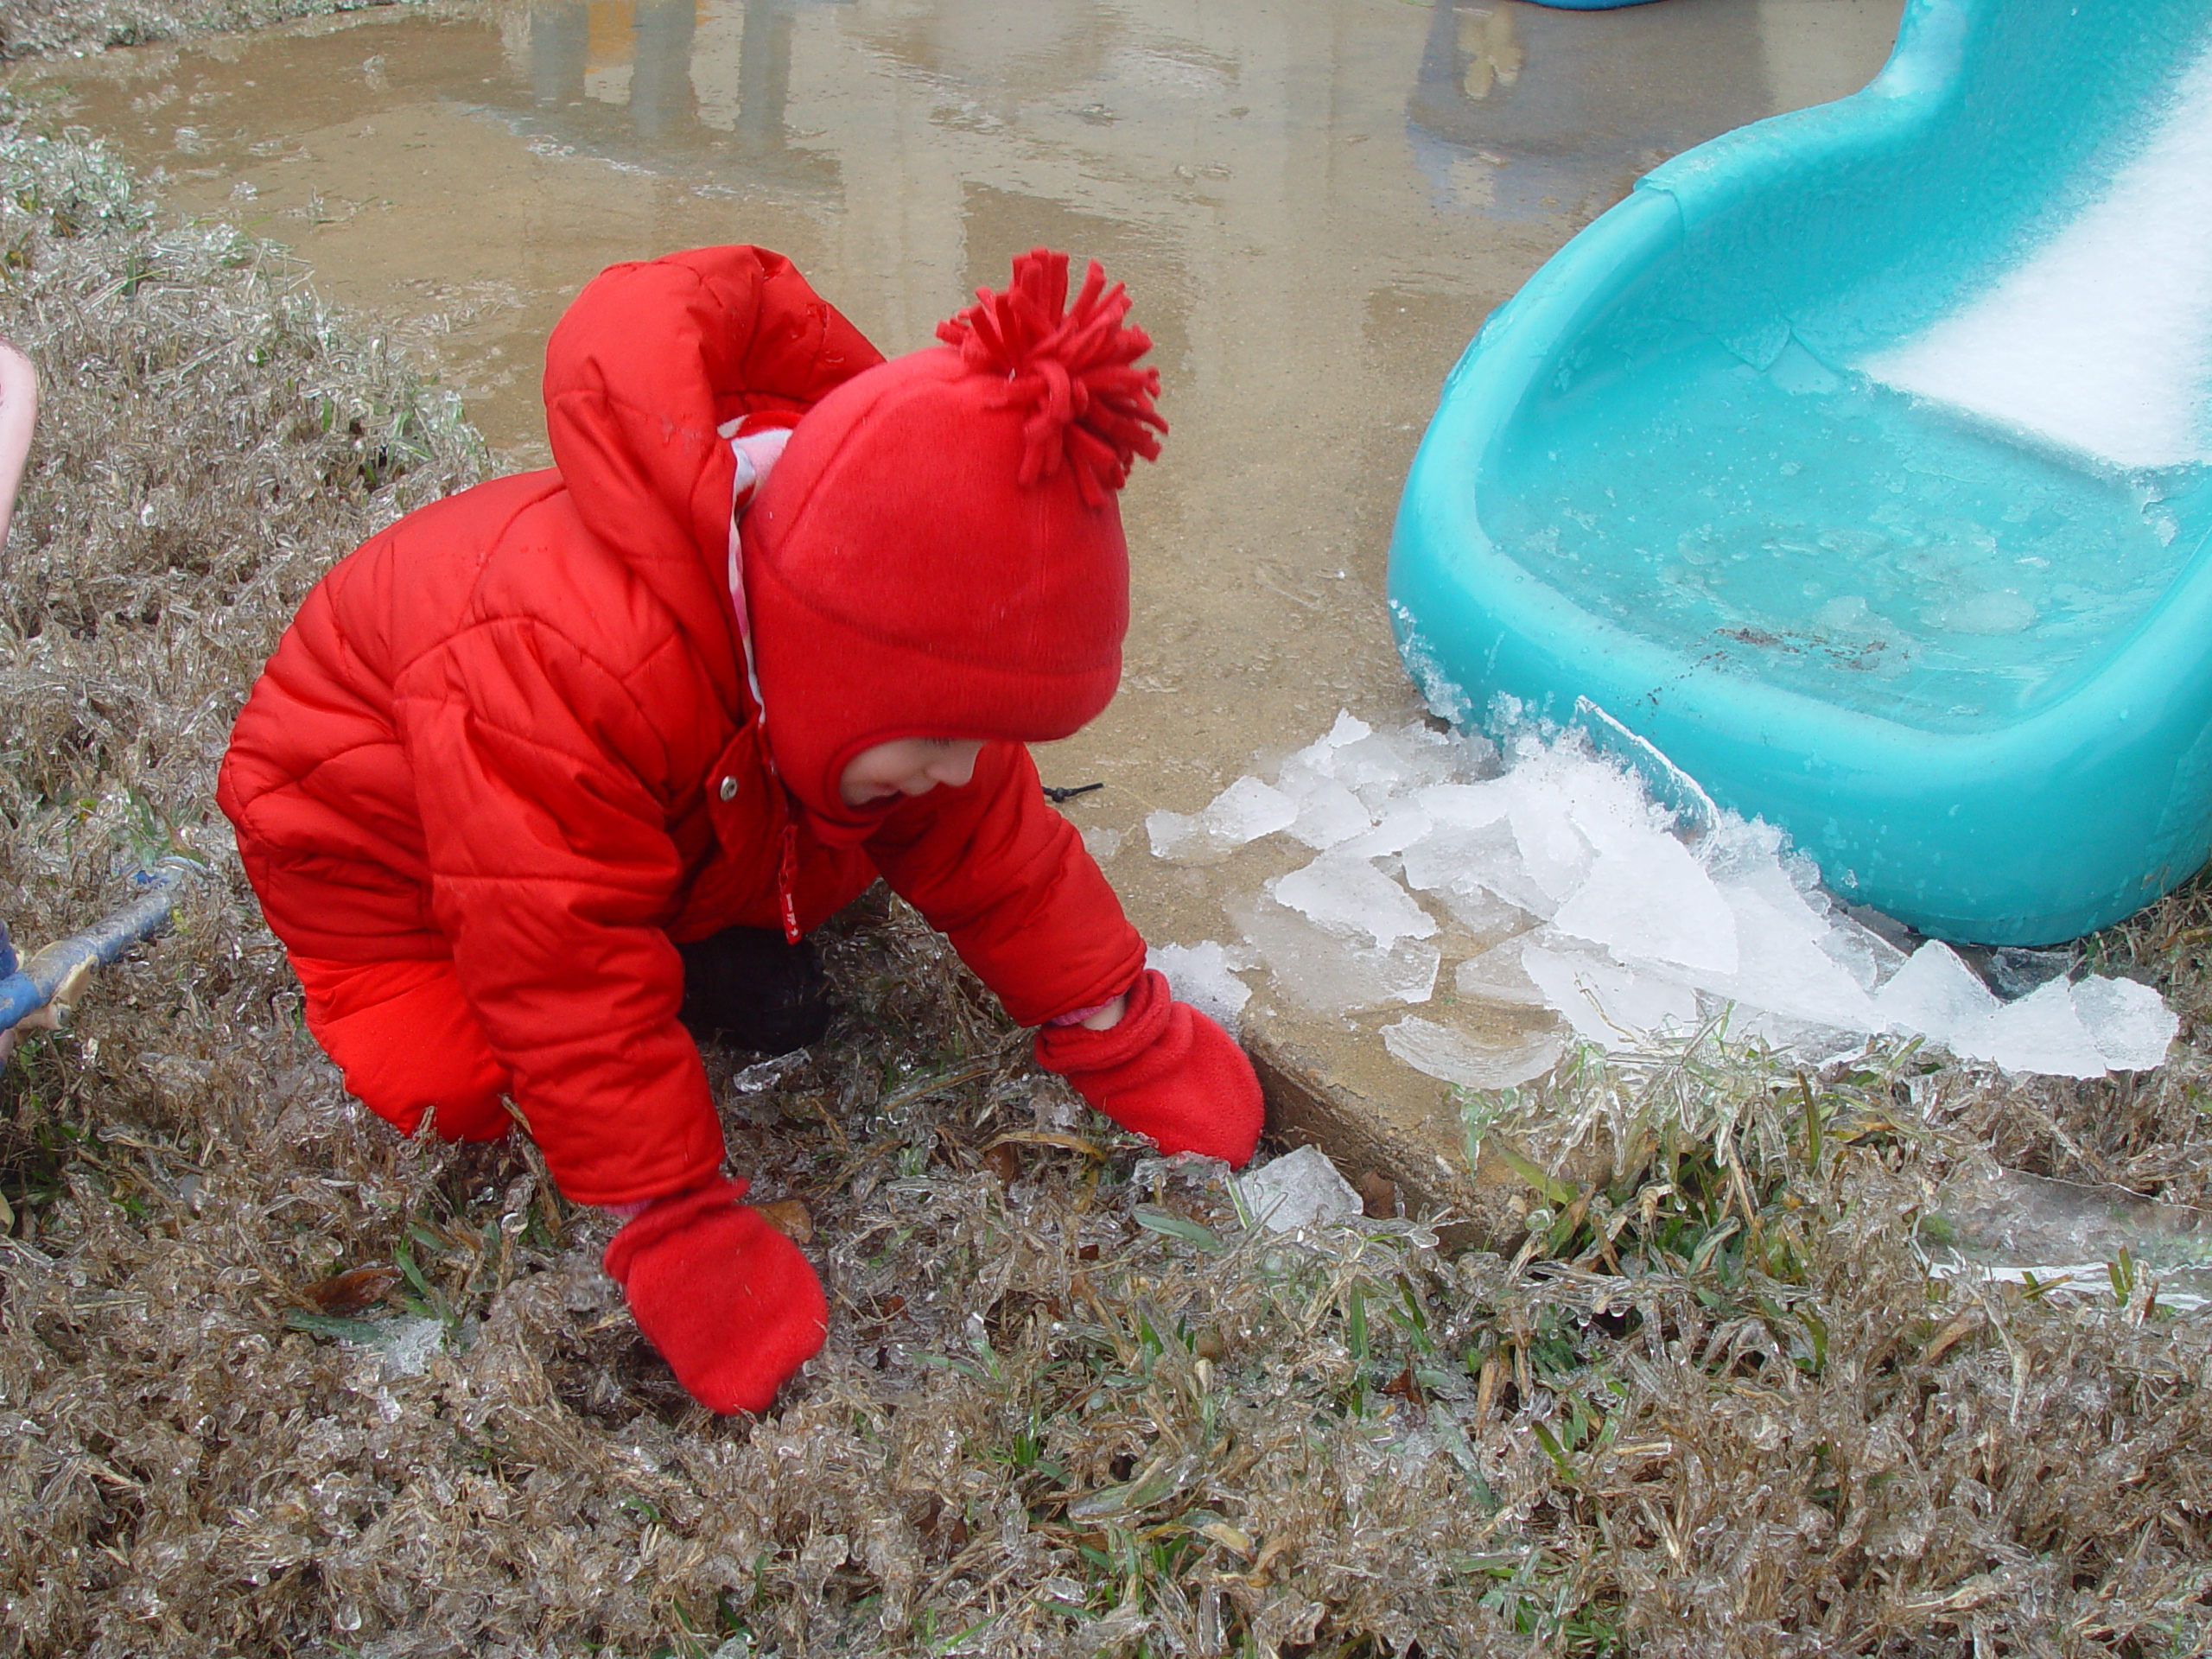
x,y
780,620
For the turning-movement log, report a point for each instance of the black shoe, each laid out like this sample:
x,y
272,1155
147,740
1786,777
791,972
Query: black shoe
x,y
747,988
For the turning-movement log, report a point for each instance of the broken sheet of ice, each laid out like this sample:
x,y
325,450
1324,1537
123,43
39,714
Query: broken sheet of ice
x,y
1648,922
1497,975
1647,897
1477,871
1243,812
2131,1023
2043,1033
1203,974
1606,1002
1452,1055
1349,895
1328,813
1299,1189
1247,809
1332,973
1937,997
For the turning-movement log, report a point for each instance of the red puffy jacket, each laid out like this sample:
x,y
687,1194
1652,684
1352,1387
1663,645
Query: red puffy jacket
x,y
515,730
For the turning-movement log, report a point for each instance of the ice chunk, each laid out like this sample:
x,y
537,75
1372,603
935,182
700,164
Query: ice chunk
x,y
1247,809
1348,729
1648,898
2041,1032
1180,838
1455,1058
1244,811
2130,1023
1299,1189
1463,806
1385,765
1475,869
1553,853
1937,997
1868,957
1604,1000
1605,802
1205,975
1402,827
1328,813
1331,973
1498,975
1349,895
1781,968
1101,841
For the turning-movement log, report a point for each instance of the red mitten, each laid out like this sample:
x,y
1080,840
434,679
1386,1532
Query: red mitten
x,y
727,1300
1166,1071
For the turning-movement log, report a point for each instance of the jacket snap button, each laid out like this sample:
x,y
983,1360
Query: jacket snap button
x,y
728,790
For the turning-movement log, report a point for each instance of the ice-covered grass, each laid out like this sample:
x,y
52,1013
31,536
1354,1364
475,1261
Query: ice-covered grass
x,y
274,1382
1572,889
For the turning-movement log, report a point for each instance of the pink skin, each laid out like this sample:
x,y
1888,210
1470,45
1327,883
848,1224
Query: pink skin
x,y
915,765
18,413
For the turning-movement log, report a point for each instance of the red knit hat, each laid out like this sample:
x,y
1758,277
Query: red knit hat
x,y
938,552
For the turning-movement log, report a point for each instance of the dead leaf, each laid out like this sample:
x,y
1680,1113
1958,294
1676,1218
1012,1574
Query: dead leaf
x,y
351,1291
790,1218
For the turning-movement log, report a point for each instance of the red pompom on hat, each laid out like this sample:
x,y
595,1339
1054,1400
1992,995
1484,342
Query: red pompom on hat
x,y
938,552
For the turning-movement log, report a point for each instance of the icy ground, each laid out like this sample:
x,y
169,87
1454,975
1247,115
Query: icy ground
x,y
1551,879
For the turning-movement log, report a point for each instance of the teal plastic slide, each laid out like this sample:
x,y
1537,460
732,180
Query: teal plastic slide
x,y
1861,461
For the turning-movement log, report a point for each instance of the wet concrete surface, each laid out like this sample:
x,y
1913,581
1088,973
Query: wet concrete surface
x,y
1315,206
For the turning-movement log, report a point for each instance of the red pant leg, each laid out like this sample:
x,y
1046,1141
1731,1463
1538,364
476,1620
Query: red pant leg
x,y
404,1037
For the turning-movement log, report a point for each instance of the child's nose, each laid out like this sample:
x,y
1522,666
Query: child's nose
x,y
955,769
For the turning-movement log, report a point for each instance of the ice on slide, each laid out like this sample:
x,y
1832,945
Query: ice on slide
x,y
2101,339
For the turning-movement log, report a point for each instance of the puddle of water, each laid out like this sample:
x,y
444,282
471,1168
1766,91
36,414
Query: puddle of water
x,y
1315,206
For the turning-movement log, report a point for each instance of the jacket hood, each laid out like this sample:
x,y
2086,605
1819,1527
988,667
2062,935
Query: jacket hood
x,y
645,372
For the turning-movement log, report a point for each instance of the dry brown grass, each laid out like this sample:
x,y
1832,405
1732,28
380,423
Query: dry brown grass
x,y
1071,1404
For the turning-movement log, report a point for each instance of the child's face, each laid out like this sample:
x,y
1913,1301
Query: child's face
x,y
909,766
